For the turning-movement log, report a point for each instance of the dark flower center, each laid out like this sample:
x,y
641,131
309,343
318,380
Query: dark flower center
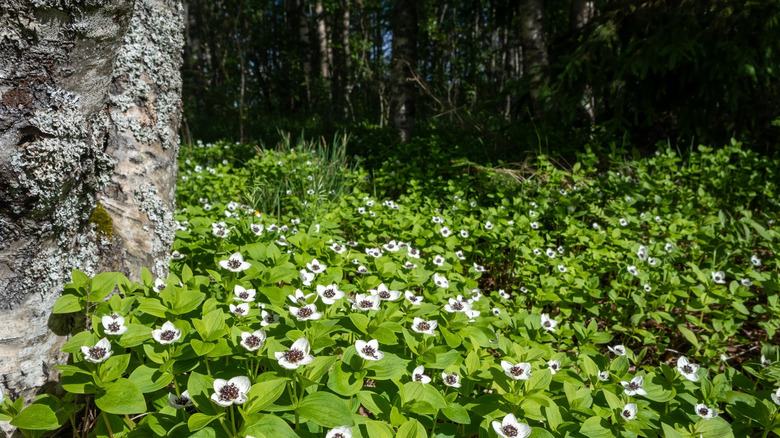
x,y
633,386
366,304
294,356
687,369
167,335
220,232
423,326
329,293
413,299
113,327
234,263
338,435
270,319
304,312
97,352
418,377
181,400
546,324
161,287
554,366
704,411
627,413
253,341
239,310
337,248
457,305
228,392
315,267
243,295
451,379
516,371
385,295
510,430
369,351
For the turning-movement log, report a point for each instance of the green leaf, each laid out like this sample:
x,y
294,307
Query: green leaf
x,y
152,306
271,426
342,382
198,421
325,409
411,429
596,427
36,417
688,335
113,367
150,379
360,321
456,413
379,429
186,274
263,394
103,284
211,326
135,335
121,397
67,304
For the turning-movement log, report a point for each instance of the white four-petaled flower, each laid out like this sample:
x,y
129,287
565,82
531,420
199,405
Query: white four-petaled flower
x,y
298,355
245,295
365,302
167,334
100,352
369,350
340,432
688,369
253,341
509,427
418,375
420,325
520,371
629,411
235,263
619,350
113,324
705,412
179,401
452,380
548,324
306,313
634,387
229,392
329,294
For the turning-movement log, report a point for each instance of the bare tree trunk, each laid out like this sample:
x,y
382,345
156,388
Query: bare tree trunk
x,y
322,44
581,13
403,61
341,61
305,47
54,82
534,41
64,125
145,114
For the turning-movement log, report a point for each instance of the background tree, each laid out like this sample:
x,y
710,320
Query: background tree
x,y
80,96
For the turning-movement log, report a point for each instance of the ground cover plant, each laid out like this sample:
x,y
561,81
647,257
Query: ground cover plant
x,y
626,298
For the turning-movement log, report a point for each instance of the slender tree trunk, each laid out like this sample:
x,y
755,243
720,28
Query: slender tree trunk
x,y
581,13
305,47
534,41
403,61
322,45
341,61
74,104
54,124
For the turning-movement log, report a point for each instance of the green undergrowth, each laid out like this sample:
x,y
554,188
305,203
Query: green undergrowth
x,y
618,297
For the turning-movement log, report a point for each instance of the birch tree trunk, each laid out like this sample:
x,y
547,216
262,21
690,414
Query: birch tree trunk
x,y
534,40
65,124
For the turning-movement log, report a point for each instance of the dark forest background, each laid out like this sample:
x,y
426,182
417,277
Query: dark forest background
x,y
502,76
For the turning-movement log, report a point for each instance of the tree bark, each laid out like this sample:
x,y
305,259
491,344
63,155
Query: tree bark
x,y
534,40
61,135
403,60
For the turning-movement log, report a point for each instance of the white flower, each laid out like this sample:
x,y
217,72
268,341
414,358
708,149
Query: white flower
x,y
253,341
523,289
179,402
755,261
562,268
422,326
765,362
257,229
438,220
520,371
168,334
268,318
669,247
719,277
688,369
647,287
441,281
479,268
374,252
329,294
548,324
391,246
488,225
419,376
603,376
233,391
776,396
459,255
306,277
445,231
361,210
365,302
315,266
100,352
531,213
369,350
362,270
634,386
504,294
159,285
535,225
456,305
298,355
746,282
496,311
537,251
642,253
550,253
239,310
384,294
338,249
652,261
220,229
629,411
464,234
413,253
623,222
176,255
705,412
510,428
412,298
246,295
554,365
596,225
618,350
340,432
235,263
305,313
452,380
438,260
113,324
633,270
